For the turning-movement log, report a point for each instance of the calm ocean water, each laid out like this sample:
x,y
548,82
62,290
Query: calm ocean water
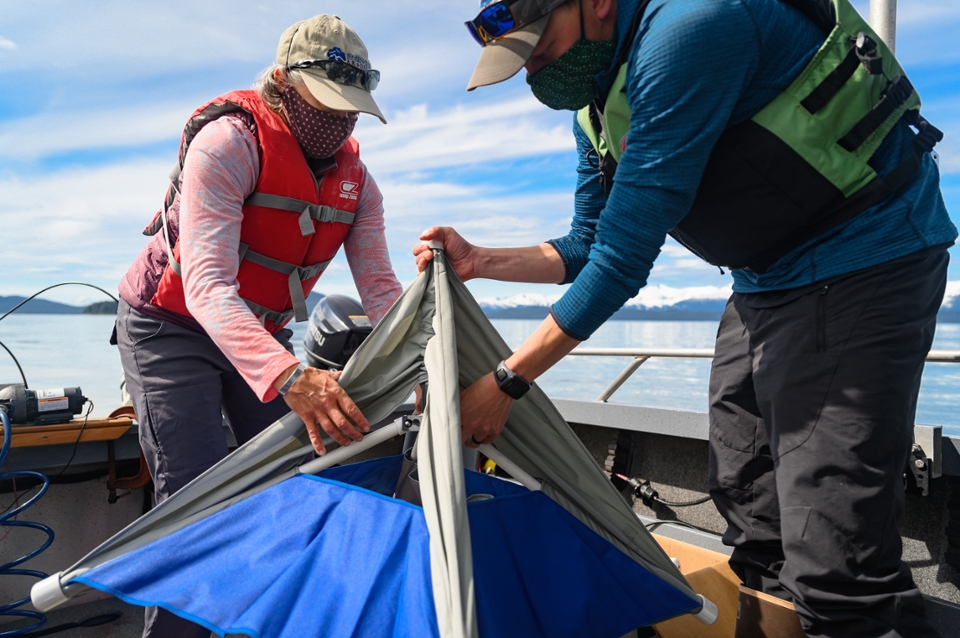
x,y
72,350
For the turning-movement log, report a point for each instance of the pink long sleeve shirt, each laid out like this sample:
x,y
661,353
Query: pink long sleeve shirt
x,y
220,171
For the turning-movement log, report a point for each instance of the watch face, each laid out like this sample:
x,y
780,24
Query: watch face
x,y
515,386
511,384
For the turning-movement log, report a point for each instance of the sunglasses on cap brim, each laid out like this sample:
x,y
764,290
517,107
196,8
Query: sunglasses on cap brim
x,y
342,73
501,18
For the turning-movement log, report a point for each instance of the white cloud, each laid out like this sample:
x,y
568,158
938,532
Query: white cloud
x,y
418,139
49,134
417,47
917,20
952,292
915,14
944,113
113,62
483,217
421,139
82,223
86,223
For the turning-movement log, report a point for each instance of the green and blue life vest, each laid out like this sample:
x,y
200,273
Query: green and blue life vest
x,y
800,166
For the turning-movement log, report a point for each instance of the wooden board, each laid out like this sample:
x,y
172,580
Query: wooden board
x,y
67,433
709,575
765,616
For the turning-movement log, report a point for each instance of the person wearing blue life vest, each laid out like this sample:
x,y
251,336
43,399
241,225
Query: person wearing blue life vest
x,y
780,139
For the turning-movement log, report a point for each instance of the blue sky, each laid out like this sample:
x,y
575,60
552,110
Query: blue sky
x,y
93,97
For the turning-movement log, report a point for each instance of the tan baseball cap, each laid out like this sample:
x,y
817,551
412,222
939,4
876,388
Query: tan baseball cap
x,y
503,58
327,37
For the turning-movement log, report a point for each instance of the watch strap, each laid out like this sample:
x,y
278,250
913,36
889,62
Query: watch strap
x,y
509,382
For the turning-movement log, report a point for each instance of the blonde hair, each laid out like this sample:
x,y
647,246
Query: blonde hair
x,y
268,86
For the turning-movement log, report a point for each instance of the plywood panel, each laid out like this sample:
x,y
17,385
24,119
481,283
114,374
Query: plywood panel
x,y
709,575
69,433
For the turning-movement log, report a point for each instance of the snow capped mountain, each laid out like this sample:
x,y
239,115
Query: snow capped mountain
x,y
649,298
663,302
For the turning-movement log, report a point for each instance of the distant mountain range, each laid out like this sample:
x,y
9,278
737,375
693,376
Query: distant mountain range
x,y
38,307
662,303
654,303
44,307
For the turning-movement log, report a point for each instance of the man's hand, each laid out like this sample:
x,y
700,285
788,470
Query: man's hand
x,y
484,409
533,264
460,254
319,400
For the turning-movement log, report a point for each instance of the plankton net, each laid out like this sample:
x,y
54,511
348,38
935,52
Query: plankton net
x,y
271,545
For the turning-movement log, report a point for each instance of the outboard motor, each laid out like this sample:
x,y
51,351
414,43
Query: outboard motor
x,y
338,325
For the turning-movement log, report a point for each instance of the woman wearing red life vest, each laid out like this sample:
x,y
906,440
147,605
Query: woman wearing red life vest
x,y
267,187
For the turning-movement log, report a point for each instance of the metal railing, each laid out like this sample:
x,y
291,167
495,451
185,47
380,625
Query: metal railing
x,y
641,355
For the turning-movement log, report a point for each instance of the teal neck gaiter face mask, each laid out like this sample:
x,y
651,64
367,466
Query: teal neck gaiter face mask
x,y
566,84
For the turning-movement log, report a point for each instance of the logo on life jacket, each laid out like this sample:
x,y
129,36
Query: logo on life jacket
x,y
623,144
349,189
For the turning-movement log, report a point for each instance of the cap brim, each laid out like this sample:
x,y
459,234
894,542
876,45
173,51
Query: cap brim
x,y
503,58
339,97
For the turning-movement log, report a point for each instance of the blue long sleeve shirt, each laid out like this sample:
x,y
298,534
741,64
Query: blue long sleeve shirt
x,y
695,68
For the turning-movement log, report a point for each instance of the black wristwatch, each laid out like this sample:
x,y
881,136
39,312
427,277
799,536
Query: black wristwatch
x,y
511,383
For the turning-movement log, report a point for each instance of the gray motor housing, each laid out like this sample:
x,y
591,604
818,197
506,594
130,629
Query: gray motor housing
x,y
40,407
338,325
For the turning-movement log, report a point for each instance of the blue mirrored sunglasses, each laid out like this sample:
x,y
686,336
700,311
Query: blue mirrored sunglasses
x,y
342,73
500,18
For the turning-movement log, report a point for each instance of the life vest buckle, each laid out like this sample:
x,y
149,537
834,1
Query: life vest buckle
x,y
928,135
867,52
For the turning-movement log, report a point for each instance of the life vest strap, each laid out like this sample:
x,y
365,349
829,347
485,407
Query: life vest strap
x,y
893,98
265,314
295,274
171,194
831,85
307,210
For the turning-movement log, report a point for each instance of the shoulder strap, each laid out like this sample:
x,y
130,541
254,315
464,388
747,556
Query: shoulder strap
x,y
193,126
607,163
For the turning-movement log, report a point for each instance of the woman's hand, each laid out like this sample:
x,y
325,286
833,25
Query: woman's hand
x,y
460,254
319,400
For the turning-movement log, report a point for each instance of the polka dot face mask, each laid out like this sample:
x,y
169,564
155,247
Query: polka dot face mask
x,y
320,133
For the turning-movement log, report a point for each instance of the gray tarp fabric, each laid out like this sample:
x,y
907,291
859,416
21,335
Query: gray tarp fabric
x,y
435,332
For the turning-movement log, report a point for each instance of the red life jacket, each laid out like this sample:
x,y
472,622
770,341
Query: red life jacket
x,y
290,230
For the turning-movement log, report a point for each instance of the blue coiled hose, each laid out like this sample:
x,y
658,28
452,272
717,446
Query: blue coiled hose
x,y
10,568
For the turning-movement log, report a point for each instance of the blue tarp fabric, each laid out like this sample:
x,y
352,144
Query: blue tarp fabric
x,y
341,558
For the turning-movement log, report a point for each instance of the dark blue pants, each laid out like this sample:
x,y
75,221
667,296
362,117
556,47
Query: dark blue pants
x,y
183,387
813,395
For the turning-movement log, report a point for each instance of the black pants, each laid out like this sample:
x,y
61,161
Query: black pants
x,y
182,388
813,394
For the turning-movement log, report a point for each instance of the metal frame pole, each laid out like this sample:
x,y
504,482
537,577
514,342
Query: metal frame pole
x,y
883,19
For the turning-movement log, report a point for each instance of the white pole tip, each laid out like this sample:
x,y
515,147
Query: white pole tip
x,y
48,594
708,613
